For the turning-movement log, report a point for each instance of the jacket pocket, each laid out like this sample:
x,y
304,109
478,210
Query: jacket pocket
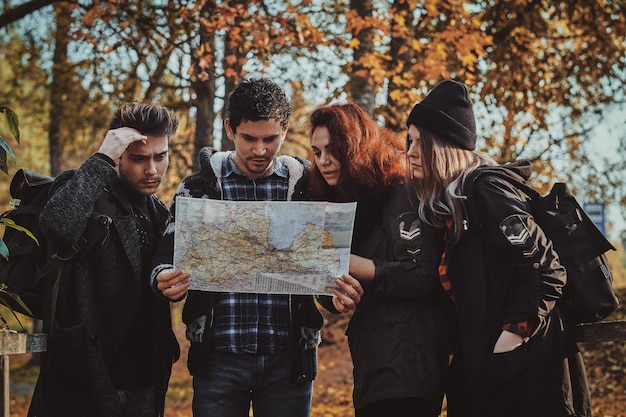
x,y
529,359
67,354
507,366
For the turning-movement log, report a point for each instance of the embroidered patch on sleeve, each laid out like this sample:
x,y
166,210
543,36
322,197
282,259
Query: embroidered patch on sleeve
x,y
409,225
515,229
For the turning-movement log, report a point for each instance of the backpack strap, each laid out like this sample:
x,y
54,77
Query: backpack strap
x,y
501,171
97,230
506,174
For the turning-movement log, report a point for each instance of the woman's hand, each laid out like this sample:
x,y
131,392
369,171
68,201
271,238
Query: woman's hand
x,y
508,341
347,294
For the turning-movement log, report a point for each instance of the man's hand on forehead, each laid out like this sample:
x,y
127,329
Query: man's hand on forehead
x,y
117,140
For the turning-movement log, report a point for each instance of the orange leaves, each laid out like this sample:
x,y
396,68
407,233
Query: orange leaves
x,y
230,73
431,8
230,59
412,43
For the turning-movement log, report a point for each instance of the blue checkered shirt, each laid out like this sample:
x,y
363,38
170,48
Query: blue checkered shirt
x,y
251,322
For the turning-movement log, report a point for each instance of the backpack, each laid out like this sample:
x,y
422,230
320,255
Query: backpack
x,y
588,295
23,274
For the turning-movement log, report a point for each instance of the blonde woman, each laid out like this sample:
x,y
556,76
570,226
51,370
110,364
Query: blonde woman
x,y
516,354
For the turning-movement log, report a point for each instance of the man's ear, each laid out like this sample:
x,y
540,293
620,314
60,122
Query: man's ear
x,y
229,131
284,132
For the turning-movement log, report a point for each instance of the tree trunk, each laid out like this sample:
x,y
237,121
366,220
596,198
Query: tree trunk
x,y
61,80
205,115
396,112
204,87
361,89
232,75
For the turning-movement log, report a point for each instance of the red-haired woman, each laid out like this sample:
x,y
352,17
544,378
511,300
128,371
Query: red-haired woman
x,y
398,334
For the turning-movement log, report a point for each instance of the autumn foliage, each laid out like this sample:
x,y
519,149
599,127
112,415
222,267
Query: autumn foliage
x,y
544,73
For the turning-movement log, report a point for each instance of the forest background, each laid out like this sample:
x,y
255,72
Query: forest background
x,y
547,77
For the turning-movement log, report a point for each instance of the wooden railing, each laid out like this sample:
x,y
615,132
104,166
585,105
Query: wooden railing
x,y
12,343
602,331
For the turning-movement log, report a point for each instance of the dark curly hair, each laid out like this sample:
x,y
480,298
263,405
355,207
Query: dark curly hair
x,y
149,119
372,157
258,99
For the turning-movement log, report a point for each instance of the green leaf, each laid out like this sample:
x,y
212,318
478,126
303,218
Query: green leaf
x,y
10,299
16,298
14,123
6,147
10,223
3,160
4,250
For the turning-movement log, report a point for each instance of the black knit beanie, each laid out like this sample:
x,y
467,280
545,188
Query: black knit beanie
x,y
447,112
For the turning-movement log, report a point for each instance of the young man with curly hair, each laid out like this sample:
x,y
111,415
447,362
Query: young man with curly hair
x,y
249,349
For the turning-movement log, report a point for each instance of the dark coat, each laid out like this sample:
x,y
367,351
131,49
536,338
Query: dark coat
x,y
206,183
504,270
399,333
97,303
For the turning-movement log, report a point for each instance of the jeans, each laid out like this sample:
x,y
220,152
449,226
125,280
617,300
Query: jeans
x,y
138,403
232,382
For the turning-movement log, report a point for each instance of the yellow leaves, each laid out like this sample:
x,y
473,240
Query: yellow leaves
x,y
414,44
432,9
400,20
396,95
401,89
468,60
402,80
354,43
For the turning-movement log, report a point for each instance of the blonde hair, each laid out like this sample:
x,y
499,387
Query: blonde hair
x,y
441,191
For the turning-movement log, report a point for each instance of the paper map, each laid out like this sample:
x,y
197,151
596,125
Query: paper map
x,y
263,246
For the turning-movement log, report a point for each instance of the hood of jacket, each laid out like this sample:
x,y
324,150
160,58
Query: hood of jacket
x,y
211,162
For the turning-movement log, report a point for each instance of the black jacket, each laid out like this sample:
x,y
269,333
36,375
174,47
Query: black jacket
x,y
206,183
399,333
98,302
503,270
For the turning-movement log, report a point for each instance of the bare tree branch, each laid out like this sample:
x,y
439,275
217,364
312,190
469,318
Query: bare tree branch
x,y
23,10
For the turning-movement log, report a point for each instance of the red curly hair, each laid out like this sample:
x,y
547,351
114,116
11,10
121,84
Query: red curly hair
x,y
372,158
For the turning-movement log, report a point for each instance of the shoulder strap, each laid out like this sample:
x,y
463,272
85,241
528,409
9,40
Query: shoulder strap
x,y
500,171
197,184
504,173
97,227
559,209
